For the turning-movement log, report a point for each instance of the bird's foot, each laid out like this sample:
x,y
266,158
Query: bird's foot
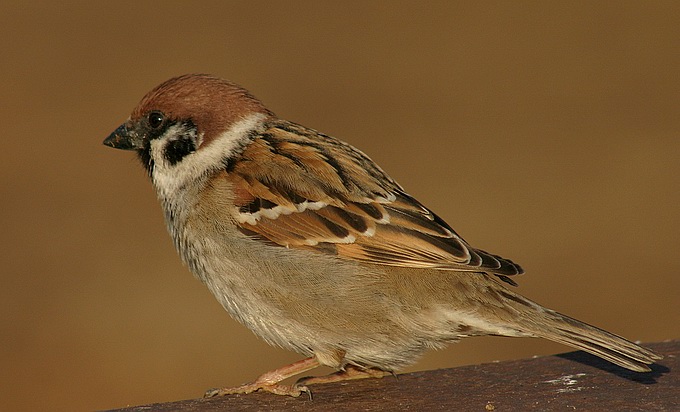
x,y
276,389
271,381
350,372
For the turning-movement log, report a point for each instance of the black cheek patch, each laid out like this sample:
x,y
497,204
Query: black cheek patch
x,y
145,158
176,150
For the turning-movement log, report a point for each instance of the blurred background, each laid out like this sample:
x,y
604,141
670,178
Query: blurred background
x,y
548,133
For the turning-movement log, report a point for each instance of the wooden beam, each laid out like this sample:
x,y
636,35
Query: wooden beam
x,y
570,381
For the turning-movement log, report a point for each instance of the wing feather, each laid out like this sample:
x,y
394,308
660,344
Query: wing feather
x,y
297,188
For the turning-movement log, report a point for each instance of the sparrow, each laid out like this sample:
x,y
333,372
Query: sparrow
x,y
311,245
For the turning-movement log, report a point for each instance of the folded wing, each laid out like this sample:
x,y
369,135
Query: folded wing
x,y
331,198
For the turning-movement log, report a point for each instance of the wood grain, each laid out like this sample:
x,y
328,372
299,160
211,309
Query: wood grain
x,y
569,381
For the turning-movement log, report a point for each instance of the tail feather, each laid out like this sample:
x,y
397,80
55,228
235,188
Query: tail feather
x,y
615,349
528,318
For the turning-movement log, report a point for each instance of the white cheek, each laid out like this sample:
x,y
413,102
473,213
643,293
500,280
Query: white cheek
x,y
169,179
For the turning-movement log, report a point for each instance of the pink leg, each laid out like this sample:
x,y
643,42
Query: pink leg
x,y
269,382
350,372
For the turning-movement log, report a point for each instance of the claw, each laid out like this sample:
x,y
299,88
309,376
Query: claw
x,y
211,393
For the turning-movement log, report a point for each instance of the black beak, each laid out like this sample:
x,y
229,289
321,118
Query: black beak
x,y
124,139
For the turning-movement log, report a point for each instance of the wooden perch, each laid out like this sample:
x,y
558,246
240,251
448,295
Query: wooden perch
x,y
570,381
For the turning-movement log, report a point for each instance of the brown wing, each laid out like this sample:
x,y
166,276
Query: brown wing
x,y
300,189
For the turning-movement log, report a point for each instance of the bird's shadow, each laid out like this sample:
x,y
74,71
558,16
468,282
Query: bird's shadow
x,y
646,378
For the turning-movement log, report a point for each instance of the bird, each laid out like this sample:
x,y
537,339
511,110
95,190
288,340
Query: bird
x,y
307,242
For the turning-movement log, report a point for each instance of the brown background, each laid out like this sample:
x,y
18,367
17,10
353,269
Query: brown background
x,y
545,133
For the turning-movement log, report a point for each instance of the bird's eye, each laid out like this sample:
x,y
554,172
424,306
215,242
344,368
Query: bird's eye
x,y
156,119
